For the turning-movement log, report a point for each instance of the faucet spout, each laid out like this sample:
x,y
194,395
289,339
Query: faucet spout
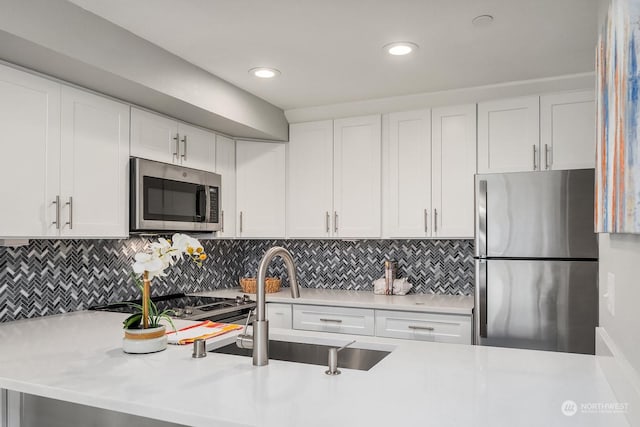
x,y
261,324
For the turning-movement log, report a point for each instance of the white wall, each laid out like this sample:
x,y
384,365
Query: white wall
x,y
469,95
620,255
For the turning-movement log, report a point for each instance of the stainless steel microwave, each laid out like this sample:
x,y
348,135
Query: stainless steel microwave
x,y
167,197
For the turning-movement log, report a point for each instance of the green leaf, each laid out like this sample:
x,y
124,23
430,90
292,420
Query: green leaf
x,y
133,321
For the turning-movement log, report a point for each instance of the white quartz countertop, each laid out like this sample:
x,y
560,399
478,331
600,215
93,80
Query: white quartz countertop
x,y
451,304
77,357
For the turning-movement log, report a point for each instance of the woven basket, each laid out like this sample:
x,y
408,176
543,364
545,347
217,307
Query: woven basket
x,y
250,284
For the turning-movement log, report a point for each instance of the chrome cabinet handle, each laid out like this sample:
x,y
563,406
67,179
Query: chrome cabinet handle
x,y
222,221
241,221
184,148
435,220
426,220
327,220
57,221
546,156
70,204
535,155
421,328
335,222
177,149
331,320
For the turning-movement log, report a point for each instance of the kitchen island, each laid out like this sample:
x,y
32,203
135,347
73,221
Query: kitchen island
x,y
77,358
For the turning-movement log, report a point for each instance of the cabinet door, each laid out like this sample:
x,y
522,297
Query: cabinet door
x,y
197,148
357,177
341,320
94,172
408,201
226,167
434,327
567,126
310,179
30,160
509,135
154,137
261,189
279,315
454,165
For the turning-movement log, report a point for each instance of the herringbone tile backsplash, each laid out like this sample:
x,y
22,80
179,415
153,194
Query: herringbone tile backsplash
x,y
58,276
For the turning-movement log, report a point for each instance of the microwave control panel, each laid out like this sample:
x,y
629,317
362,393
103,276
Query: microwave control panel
x,y
214,197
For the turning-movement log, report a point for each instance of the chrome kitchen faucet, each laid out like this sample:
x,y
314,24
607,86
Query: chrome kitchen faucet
x,y
259,341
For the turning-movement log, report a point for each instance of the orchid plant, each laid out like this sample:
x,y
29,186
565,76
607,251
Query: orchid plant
x,y
153,263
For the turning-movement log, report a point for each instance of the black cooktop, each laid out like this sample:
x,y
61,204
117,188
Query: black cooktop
x,y
178,302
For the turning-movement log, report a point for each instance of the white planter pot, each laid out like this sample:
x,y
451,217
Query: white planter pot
x,y
141,341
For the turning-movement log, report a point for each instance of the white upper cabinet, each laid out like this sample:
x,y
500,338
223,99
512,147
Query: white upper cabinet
x,y
260,174
29,172
197,148
166,140
431,161
408,192
154,137
453,167
70,150
357,177
310,180
567,130
226,167
509,135
94,166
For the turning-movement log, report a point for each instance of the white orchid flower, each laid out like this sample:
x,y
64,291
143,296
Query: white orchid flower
x,y
186,244
163,254
149,263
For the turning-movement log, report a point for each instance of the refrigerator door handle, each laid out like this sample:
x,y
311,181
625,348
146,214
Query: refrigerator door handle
x,y
481,301
481,220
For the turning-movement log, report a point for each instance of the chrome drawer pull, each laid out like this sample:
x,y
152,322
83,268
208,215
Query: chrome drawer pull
x,y
177,150
421,328
70,204
331,320
57,221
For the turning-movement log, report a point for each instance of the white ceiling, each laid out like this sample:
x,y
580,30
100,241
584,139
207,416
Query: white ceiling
x,y
330,51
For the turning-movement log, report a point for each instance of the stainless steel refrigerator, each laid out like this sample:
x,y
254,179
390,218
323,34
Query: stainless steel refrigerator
x,y
536,261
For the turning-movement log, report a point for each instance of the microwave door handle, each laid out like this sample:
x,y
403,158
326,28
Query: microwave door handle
x,y
201,204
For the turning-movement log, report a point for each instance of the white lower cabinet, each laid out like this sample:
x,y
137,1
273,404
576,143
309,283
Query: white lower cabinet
x,y
343,320
446,328
279,315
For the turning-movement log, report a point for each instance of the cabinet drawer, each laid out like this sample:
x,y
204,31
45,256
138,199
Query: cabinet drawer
x,y
279,315
342,320
448,328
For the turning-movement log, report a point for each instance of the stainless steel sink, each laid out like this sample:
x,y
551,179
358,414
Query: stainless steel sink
x,y
313,354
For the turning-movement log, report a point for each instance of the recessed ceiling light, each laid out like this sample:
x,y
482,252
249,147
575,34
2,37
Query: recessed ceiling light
x,y
264,72
482,20
400,48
